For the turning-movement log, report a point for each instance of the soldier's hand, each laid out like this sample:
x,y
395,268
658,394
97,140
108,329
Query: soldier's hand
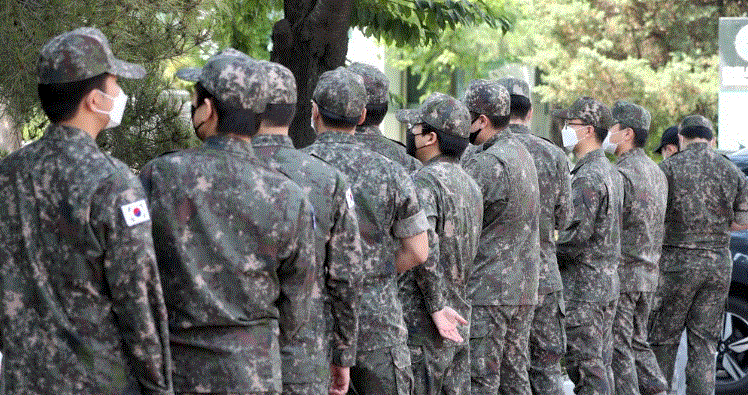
x,y
446,321
340,379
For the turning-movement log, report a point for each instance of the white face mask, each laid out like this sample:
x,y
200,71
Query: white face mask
x,y
609,146
118,109
569,137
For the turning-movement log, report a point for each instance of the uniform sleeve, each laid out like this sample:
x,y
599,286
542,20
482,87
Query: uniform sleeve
x,y
493,181
409,218
586,197
296,272
344,275
428,276
740,207
119,212
564,211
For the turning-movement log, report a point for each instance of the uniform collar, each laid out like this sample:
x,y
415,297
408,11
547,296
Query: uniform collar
x,y
441,158
371,130
230,144
336,137
634,152
503,134
590,157
69,133
264,140
697,146
519,128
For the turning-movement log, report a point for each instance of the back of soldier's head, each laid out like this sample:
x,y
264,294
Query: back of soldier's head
x,y
630,115
447,117
377,92
340,97
282,93
519,96
696,126
489,98
73,64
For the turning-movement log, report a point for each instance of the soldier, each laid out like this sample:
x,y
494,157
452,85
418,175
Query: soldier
x,y
306,363
393,231
234,240
83,311
708,197
368,133
588,250
503,285
635,367
453,204
669,143
547,335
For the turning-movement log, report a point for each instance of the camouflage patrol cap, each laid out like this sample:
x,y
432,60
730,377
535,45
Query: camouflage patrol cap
x,y
234,79
488,98
340,93
442,112
669,137
589,111
695,120
631,115
281,84
515,86
376,83
81,54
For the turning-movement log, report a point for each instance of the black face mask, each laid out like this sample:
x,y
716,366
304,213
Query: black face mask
x,y
410,144
193,109
474,136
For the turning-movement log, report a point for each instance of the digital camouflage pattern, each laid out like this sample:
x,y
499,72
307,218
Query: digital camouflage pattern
x,y
371,137
507,264
385,371
453,205
376,83
635,366
82,306
387,209
241,82
547,336
236,249
589,111
630,115
81,54
695,120
515,86
707,193
333,322
487,97
341,93
588,250
441,112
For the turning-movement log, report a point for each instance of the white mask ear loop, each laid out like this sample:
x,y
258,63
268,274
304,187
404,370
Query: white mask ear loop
x,y
118,108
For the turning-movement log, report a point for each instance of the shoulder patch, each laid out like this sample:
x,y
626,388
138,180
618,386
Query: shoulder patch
x,y
136,213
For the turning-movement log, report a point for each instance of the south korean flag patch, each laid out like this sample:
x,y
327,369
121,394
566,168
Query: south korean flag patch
x,y
136,213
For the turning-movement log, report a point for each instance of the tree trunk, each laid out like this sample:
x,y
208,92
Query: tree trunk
x,y
311,39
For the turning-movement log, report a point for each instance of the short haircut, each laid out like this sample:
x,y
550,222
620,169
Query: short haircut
x,y
601,134
375,114
693,132
279,114
60,101
520,106
497,122
336,121
640,137
230,119
449,144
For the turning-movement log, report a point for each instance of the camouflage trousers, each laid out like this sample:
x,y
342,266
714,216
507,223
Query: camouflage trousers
x,y
589,344
385,371
548,345
441,370
499,349
693,289
634,365
227,393
306,388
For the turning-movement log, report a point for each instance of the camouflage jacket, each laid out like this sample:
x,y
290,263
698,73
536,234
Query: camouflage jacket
x,y
236,249
507,265
387,209
453,205
556,207
642,221
589,249
82,311
373,139
706,194
339,271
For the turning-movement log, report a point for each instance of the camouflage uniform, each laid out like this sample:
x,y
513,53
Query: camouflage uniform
x,y
634,365
503,286
82,311
588,252
453,204
330,336
377,92
387,209
547,335
707,193
236,248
